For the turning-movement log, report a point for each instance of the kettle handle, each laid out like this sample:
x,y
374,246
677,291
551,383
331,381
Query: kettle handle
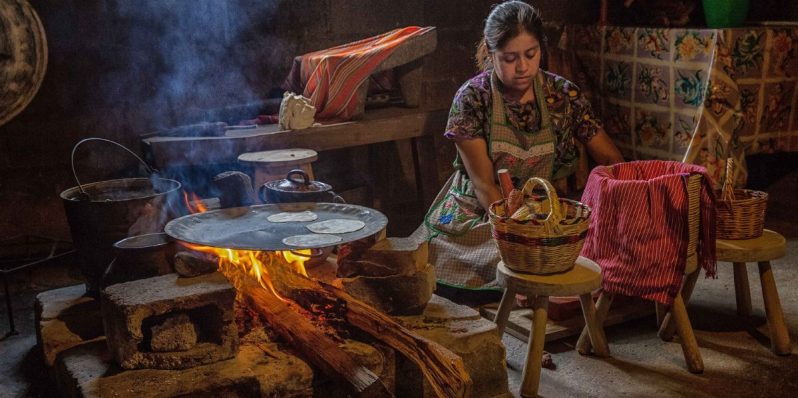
x,y
262,193
305,179
337,198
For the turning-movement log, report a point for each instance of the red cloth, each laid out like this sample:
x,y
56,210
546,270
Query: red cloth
x,y
331,77
638,230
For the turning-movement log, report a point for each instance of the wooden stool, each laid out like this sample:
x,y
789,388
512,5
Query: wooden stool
x,y
275,165
769,246
582,280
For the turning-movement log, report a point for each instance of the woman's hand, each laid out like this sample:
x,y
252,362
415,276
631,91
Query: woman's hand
x,y
603,150
474,153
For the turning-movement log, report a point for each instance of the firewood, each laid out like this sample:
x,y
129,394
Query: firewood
x,y
190,263
392,256
443,369
316,346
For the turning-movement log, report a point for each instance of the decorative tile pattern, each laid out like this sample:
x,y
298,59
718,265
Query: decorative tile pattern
x,y
696,95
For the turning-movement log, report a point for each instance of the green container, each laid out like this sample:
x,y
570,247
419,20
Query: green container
x,y
725,13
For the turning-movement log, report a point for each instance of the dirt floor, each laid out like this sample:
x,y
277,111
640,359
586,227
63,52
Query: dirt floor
x,y
736,352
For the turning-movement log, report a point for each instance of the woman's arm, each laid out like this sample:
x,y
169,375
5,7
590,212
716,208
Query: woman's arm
x,y
474,153
602,149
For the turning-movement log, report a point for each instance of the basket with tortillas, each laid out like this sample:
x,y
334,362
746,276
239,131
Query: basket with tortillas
x,y
539,234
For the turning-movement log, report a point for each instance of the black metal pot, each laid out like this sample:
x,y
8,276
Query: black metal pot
x,y
297,187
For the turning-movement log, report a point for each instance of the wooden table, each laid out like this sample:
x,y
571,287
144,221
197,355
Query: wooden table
x,y
381,125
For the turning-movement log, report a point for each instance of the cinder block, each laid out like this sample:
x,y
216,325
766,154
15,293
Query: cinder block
x,y
463,331
260,369
64,319
135,312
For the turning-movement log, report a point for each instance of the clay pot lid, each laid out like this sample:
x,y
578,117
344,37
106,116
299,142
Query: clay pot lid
x,y
23,52
298,181
279,157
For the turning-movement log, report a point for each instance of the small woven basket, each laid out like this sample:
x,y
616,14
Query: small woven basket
x,y
549,242
741,212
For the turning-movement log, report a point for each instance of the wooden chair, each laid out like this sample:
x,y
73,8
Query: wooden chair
x,y
674,318
769,246
580,281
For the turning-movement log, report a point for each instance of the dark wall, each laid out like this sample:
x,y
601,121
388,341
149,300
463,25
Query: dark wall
x,y
120,68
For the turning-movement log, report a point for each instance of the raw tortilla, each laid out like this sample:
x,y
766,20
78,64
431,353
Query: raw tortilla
x,y
336,226
300,216
311,240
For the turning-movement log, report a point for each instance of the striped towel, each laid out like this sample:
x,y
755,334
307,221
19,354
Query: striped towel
x,y
638,232
331,77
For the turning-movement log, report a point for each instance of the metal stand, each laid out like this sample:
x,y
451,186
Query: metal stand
x,y
52,255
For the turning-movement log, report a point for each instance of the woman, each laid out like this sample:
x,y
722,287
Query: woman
x,y
514,116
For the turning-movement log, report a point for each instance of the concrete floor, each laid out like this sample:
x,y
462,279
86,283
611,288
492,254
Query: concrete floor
x,y
736,352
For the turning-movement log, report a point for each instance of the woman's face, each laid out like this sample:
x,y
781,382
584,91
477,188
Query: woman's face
x,y
517,63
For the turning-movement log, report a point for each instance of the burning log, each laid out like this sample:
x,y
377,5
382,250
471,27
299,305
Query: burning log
x,y
443,369
190,263
316,346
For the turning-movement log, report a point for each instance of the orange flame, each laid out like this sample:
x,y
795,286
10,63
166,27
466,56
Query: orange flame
x,y
194,203
252,263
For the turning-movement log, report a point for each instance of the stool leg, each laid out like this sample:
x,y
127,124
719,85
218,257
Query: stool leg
x,y
506,305
534,353
667,328
583,345
661,310
595,330
779,337
742,291
689,344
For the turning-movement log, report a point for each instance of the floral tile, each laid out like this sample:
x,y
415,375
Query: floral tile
x,y
652,129
689,87
619,40
653,43
721,99
747,53
683,130
618,79
749,103
783,53
616,120
693,45
776,112
652,84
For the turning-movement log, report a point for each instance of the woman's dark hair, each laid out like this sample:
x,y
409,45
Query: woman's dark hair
x,y
506,21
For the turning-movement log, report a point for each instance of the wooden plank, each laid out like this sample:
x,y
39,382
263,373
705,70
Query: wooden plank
x,y
389,124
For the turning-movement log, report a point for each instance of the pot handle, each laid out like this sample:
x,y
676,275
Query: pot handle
x,y
262,193
305,179
75,148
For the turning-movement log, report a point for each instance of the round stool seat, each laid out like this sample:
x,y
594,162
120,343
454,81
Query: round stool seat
x,y
583,278
769,246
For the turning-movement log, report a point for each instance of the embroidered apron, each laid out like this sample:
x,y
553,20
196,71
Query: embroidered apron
x,y
459,233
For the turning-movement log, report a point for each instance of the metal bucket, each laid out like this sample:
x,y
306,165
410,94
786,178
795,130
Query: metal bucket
x,y
104,212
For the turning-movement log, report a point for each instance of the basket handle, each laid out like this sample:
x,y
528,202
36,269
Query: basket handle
x,y
149,169
727,192
555,212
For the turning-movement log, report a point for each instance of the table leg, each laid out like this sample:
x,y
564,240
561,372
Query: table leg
x,y
534,354
583,345
595,330
779,336
506,305
686,336
742,290
667,328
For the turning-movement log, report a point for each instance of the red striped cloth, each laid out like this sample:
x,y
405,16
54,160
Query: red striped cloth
x,y
638,230
331,77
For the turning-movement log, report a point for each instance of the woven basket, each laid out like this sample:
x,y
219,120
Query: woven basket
x,y
741,212
546,244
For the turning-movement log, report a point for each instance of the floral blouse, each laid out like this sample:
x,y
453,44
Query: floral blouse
x,y
570,113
